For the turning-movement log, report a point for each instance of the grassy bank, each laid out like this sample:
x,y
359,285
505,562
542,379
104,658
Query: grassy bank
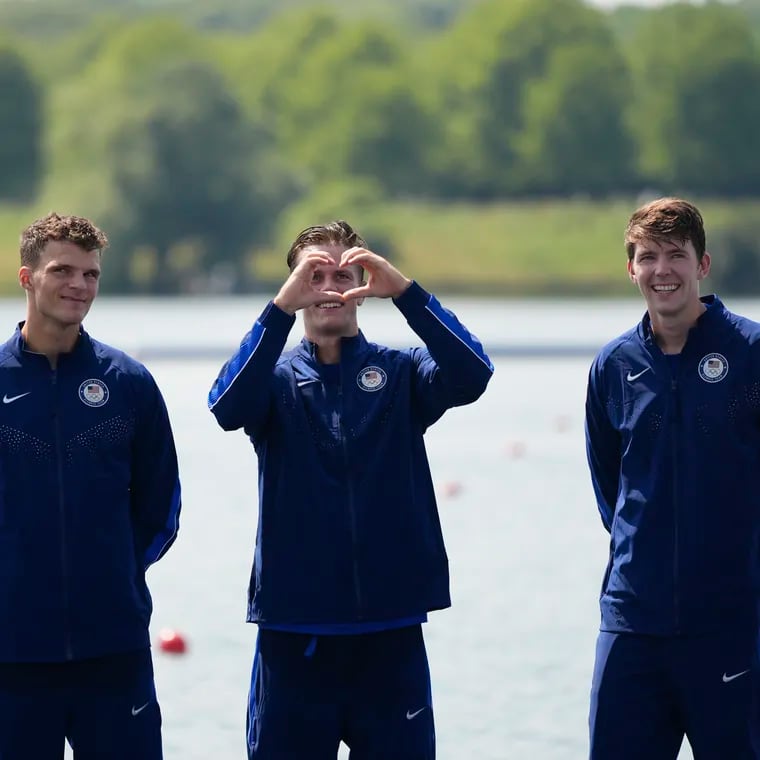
x,y
568,247
512,248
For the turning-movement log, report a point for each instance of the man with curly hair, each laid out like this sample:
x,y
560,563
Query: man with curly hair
x,y
89,499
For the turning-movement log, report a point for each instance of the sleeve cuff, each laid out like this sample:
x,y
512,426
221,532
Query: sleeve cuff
x,y
414,298
273,316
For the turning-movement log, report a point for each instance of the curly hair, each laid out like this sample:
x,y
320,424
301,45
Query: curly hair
x,y
75,229
666,219
337,233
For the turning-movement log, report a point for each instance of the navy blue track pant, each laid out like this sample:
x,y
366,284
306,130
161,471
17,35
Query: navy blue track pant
x,y
105,707
649,691
371,691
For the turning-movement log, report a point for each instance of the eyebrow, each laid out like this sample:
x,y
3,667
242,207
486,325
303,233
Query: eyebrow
x,y
665,248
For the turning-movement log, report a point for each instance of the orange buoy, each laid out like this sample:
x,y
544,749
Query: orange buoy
x,y
171,641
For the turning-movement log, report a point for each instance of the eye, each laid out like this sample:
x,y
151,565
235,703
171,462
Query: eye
x,y
92,275
344,276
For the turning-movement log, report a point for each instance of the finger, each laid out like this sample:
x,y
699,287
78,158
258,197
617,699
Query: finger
x,y
355,256
314,259
363,292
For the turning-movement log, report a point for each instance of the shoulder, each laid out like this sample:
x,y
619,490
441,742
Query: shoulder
x,y
745,329
618,350
114,361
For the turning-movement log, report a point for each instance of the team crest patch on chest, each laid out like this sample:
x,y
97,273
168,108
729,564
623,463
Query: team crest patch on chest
x,y
713,368
93,392
371,379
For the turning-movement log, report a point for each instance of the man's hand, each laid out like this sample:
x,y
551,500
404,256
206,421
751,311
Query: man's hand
x,y
298,291
383,279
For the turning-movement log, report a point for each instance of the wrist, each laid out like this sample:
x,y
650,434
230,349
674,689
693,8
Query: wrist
x,y
404,287
281,304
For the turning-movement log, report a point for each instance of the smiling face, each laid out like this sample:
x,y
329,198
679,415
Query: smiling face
x,y
61,287
667,273
329,317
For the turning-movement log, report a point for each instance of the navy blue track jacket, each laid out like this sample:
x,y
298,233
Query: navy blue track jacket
x,y
675,465
348,526
89,498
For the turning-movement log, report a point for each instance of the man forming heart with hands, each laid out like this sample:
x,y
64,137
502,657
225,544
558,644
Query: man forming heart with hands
x,y
349,555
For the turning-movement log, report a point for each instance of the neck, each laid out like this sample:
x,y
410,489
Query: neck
x,y
328,350
671,332
49,340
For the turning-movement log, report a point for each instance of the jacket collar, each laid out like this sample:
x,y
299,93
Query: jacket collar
x,y
18,346
350,347
713,314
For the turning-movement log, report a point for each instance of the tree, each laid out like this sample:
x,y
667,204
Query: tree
x,y
183,164
695,112
509,44
20,128
167,163
574,139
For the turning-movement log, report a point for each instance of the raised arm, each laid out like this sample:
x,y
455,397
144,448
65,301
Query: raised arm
x,y
453,369
241,393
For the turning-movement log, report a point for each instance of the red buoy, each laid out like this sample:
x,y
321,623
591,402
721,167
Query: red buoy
x,y
171,641
451,489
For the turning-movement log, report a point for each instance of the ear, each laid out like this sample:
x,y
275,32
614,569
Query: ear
x,y
631,272
25,277
704,266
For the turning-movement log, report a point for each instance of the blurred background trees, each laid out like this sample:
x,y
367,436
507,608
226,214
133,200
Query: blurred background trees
x,y
202,134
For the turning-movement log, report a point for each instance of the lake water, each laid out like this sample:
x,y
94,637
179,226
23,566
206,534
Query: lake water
x,y
511,660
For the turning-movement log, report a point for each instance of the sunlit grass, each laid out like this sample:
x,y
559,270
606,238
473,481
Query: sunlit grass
x,y
515,247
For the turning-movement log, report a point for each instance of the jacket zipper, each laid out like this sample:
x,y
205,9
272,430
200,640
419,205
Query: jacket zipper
x,y
676,510
351,503
68,649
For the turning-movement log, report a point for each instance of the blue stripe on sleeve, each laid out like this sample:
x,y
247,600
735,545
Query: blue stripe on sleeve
x,y
455,327
236,364
166,537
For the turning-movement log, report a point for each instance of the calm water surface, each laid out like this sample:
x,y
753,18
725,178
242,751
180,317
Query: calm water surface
x,y
511,660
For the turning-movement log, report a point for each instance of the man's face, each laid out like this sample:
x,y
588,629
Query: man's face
x,y
330,317
667,273
63,285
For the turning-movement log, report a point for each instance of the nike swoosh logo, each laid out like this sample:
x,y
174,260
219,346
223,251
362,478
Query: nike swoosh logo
x,y
630,378
10,399
728,679
138,710
410,714
301,383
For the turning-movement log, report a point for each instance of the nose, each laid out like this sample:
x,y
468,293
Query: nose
x,y
330,282
77,281
663,266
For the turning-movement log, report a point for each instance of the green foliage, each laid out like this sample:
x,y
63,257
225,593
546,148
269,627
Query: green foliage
x,y
511,46
46,19
692,113
20,128
170,168
574,139
198,131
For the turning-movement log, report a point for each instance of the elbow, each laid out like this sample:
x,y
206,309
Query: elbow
x,y
478,386
226,422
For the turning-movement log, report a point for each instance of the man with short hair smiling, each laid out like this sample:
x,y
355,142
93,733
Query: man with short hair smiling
x,y
673,443
349,553
89,499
